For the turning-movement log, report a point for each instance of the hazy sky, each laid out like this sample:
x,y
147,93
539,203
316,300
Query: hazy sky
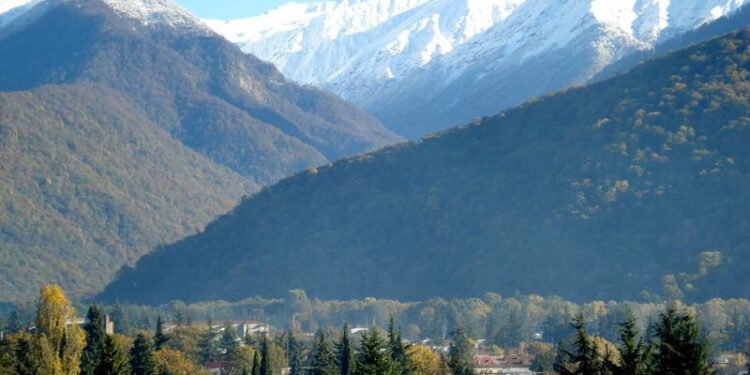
x,y
229,9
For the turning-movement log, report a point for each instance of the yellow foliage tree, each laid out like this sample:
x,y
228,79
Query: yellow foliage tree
x,y
170,361
59,341
425,361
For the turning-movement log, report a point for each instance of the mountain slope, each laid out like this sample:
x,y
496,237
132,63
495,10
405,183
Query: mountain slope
x,y
424,65
233,108
129,124
89,183
597,192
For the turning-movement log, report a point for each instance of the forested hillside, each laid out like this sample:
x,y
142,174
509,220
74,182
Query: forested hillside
x,y
126,125
632,187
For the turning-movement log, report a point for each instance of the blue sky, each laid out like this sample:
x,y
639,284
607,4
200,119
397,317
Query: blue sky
x,y
230,9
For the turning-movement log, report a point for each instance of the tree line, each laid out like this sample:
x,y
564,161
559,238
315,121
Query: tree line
x,y
56,344
674,345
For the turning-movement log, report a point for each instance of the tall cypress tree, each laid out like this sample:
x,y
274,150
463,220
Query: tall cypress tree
x,y
345,353
256,363
679,347
632,348
207,344
324,359
397,349
142,356
113,360
295,352
96,337
460,355
160,338
266,368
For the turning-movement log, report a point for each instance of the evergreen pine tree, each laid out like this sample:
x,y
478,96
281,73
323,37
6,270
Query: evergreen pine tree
x,y
510,334
23,357
113,360
323,359
373,357
266,368
585,350
160,338
142,356
96,337
14,324
120,319
460,356
679,347
230,346
209,351
345,353
397,349
295,352
256,363
632,348
563,358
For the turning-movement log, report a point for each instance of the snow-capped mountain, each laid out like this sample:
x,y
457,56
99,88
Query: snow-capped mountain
x,y
148,12
422,65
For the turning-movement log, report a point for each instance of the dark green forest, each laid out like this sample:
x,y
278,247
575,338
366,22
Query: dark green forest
x,y
116,137
632,188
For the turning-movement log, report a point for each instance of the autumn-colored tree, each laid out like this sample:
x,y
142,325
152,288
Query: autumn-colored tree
x,y
172,362
424,361
58,342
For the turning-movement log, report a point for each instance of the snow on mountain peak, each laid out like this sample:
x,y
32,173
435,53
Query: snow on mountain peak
x,y
354,43
148,12
162,12
12,9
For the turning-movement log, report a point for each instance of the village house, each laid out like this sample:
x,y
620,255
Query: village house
x,y
243,328
499,365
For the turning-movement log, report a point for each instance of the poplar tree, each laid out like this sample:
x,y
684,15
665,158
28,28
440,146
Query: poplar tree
x,y
345,353
460,354
96,337
324,359
57,345
113,360
142,356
